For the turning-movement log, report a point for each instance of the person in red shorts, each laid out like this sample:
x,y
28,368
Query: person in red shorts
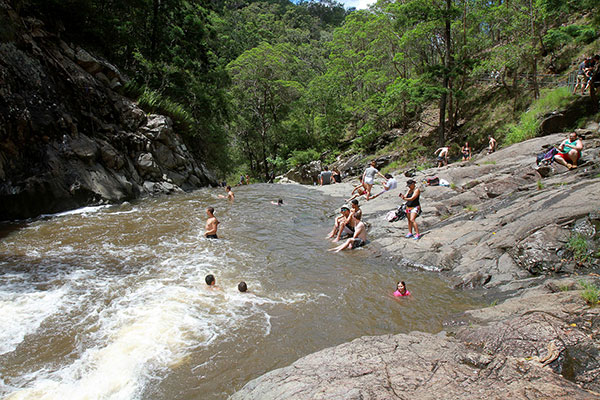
x,y
569,151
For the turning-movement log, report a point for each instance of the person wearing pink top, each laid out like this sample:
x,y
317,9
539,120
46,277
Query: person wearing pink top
x,y
401,290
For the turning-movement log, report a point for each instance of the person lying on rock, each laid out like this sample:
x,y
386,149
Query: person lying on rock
x,y
390,184
569,151
358,191
357,240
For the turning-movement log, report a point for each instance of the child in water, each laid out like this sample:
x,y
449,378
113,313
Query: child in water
x,y
401,290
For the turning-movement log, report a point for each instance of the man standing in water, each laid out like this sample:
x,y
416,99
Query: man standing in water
x,y
230,196
357,240
211,224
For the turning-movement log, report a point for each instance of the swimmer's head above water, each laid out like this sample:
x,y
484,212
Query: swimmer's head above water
x,y
210,280
242,287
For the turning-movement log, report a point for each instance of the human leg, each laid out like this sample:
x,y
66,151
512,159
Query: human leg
x,y
574,156
342,246
562,160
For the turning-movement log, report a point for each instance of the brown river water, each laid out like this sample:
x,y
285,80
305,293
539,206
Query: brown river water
x,y
110,302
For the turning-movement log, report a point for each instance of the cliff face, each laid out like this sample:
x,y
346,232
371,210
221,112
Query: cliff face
x,y
68,139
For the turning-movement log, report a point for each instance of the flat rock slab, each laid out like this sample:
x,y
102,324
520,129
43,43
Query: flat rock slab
x,y
417,365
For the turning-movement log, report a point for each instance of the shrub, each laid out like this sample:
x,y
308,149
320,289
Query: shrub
x,y
301,157
578,245
470,208
591,292
529,124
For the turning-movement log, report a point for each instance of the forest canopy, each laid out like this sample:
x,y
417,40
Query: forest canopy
x,y
258,86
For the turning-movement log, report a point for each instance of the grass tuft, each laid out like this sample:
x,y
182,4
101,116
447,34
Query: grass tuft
x,y
578,245
591,292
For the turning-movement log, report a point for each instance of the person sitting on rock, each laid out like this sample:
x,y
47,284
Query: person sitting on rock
x,y
337,177
325,176
339,223
356,212
357,240
569,151
358,191
401,290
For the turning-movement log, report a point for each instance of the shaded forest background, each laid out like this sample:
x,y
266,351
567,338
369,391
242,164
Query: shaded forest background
x,y
261,86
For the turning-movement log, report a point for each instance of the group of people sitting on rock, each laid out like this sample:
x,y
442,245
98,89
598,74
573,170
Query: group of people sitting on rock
x,y
327,177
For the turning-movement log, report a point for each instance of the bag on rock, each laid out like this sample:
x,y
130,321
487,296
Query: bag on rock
x,y
432,181
547,157
397,215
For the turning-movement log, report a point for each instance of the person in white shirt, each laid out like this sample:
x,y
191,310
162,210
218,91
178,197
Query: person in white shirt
x,y
388,185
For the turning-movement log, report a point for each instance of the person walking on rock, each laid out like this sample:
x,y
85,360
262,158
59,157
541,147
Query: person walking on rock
x,y
413,206
368,178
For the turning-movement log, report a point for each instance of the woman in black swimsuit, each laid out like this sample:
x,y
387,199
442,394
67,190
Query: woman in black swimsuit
x,y
466,151
413,206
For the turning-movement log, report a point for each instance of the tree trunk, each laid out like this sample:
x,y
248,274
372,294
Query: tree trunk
x,y
446,83
155,28
536,89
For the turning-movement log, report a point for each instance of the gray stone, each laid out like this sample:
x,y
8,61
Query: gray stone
x,y
147,166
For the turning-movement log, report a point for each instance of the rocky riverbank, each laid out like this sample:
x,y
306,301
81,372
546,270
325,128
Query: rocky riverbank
x,y
68,138
505,227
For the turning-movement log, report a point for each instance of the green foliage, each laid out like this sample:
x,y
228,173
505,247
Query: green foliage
x,y
394,165
529,124
540,185
578,245
492,162
562,35
301,157
471,208
591,292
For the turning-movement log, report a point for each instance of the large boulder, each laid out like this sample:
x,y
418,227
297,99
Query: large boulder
x,y
307,174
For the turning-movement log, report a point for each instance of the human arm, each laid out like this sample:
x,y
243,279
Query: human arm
x,y
414,195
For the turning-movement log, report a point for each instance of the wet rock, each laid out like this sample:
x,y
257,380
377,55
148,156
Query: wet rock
x,y
538,253
421,366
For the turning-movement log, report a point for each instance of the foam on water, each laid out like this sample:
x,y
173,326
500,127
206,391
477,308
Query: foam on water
x,y
152,319
23,311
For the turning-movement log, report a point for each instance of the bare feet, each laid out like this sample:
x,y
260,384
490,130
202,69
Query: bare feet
x,y
572,166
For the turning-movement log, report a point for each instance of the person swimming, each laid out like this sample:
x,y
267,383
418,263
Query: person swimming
x,y
210,280
278,203
401,290
242,287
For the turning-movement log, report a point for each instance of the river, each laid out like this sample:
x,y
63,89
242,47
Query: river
x,y
110,302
